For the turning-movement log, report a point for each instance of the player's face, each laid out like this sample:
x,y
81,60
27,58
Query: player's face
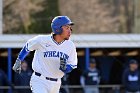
x,y
92,65
133,67
66,32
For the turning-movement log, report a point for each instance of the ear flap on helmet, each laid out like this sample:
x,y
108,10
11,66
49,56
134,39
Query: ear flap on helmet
x,y
57,30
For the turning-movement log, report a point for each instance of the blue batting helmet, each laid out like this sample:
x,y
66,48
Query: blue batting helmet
x,y
58,22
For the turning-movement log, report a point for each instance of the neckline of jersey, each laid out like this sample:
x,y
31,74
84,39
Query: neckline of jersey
x,y
56,42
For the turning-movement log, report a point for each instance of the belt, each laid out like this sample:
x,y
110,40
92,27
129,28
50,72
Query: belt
x,y
48,78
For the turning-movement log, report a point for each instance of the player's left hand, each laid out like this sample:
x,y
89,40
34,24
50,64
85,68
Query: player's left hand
x,y
62,64
17,66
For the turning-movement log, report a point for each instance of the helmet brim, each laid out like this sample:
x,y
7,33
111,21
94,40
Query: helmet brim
x,y
71,23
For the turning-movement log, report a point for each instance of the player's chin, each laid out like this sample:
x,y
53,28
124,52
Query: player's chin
x,y
67,38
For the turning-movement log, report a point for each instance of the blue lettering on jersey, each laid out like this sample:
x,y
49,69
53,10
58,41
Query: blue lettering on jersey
x,y
55,54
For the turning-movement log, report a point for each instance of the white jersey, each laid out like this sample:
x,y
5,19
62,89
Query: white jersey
x,y
47,55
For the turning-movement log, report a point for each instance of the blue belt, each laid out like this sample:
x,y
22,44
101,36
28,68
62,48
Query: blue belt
x,y
48,78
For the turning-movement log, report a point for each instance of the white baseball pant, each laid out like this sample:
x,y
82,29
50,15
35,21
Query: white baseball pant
x,y
39,84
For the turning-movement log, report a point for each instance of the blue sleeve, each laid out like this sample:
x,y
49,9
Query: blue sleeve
x,y
23,53
68,69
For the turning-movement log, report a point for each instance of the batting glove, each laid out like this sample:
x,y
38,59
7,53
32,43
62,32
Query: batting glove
x,y
17,66
62,64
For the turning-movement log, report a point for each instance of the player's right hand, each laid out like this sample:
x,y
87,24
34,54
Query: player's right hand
x,y
62,64
17,66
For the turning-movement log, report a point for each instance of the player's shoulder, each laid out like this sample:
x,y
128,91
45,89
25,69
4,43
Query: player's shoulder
x,y
127,70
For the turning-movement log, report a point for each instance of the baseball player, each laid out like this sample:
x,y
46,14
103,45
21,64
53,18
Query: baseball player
x,y
55,55
91,77
131,77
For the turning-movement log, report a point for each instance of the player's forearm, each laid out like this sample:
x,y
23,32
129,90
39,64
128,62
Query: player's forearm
x,y
23,53
68,69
